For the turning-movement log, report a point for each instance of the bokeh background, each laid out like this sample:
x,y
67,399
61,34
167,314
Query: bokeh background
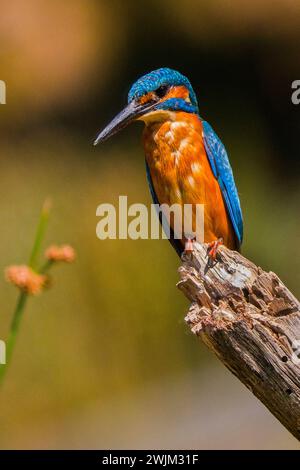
x,y
104,359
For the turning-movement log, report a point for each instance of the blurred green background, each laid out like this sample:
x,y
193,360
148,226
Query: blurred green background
x,y
104,359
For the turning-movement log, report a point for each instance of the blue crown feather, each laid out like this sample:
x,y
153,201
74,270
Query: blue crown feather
x,y
164,76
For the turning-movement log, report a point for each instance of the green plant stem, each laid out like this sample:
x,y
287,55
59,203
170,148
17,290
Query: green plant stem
x,y
19,310
46,266
15,324
40,232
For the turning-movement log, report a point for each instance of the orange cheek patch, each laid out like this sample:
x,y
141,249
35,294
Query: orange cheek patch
x,y
177,92
146,98
174,92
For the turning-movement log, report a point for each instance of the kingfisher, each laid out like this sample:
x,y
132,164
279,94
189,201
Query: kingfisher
x,y
186,162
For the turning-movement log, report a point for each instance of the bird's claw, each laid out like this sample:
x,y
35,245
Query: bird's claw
x,y
213,249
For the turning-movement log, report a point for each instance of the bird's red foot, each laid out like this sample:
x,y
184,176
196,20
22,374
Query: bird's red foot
x,y
213,248
188,248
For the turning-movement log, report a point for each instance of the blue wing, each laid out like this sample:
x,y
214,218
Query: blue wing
x,y
221,168
175,242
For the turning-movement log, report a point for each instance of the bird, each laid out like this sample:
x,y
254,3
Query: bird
x,y
186,162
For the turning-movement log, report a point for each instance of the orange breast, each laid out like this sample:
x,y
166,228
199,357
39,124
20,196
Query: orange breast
x,y
181,172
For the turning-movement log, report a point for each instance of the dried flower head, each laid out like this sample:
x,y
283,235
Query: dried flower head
x,y
60,253
26,279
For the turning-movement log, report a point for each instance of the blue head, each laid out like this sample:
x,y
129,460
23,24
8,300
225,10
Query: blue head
x,y
163,89
161,83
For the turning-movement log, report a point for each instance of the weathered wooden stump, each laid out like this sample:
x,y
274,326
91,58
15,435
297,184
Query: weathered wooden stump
x,y
252,322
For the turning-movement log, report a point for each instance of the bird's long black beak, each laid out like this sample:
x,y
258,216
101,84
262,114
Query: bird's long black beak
x,y
132,111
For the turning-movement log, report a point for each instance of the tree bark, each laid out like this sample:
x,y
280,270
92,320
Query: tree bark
x,y
252,323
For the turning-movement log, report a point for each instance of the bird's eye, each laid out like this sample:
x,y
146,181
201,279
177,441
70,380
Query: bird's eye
x,y
161,91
